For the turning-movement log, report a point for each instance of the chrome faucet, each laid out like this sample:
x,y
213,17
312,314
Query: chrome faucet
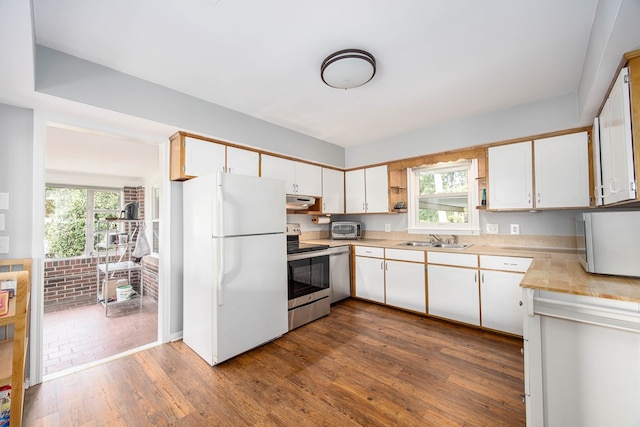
x,y
435,239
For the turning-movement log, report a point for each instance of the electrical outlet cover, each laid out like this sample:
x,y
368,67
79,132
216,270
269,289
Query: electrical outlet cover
x,y
515,229
492,229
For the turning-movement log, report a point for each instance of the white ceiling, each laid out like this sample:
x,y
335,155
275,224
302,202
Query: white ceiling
x,y
437,60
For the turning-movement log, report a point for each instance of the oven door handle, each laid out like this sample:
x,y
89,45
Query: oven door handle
x,y
306,255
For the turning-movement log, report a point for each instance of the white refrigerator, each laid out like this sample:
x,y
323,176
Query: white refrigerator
x,y
235,264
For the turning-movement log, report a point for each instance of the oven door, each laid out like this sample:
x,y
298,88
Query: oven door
x,y
308,273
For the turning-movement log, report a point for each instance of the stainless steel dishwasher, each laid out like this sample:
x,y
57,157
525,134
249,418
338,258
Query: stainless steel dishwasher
x,y
339,273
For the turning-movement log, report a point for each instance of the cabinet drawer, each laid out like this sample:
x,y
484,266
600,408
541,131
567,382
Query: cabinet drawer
x,y
404,255
369,251
505,263
448,258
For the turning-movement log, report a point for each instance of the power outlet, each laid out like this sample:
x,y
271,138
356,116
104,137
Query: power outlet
x,y
492,229
515,229
387,228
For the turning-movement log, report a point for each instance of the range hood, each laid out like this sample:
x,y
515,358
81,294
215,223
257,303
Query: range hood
x,y
295,202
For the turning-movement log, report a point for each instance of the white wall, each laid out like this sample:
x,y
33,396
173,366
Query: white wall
x,y
541,223
545,116
68,77
16,178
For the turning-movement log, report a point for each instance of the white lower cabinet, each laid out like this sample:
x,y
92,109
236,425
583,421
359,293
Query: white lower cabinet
x,y
405,285
501,297
453,293
581,360
370,275
396,278
500,292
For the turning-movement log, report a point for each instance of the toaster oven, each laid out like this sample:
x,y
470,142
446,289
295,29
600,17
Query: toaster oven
x,y
346,230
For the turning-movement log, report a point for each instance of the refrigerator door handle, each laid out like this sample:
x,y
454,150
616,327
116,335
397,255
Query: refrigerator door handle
x,y
220,241
220,287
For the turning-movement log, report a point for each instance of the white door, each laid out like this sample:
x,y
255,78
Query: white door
x,y
202,157
616,154
453,293
511,176
501,301
405,285
246,205
562,171
252,298
242,162
377,189
332,191
370,278
355,191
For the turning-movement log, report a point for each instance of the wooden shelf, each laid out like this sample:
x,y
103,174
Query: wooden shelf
x,y
13,350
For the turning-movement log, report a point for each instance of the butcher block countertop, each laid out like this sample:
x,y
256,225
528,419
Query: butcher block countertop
x,y
557,270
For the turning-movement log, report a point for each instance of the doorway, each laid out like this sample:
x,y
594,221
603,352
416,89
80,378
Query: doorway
x,y
89,177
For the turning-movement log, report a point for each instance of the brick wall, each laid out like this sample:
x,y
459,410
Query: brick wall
x,y
150,276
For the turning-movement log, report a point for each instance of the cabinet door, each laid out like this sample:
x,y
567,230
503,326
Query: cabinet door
x,y
405,285
562,171
202,157
242,162
510,176
453,293
370,278
616,145
278,168
501,298
355,191
332,191
308,179
377,189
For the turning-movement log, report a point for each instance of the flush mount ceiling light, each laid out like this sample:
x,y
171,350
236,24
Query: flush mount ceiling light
x,y
348,68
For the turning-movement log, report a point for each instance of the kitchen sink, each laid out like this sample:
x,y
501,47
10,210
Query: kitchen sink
x,y
425,244
450,245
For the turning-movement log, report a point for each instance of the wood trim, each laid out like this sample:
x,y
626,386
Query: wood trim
x,y
181,135
634,82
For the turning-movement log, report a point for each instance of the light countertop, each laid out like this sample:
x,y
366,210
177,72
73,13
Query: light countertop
x,y
557,270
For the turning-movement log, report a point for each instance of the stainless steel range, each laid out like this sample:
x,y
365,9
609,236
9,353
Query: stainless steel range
x,y
308,266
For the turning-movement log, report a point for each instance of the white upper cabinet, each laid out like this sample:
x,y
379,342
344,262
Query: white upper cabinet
x,y
202,157
616,144
308,179
511,176
242,162
355,191
367,190
562,171
332,191
301,178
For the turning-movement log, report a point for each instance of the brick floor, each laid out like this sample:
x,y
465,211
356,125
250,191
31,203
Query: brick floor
x,y
80,335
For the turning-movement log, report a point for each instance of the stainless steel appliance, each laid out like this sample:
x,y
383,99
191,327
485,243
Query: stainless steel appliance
x,y
308,278
340,269
347,230
609,242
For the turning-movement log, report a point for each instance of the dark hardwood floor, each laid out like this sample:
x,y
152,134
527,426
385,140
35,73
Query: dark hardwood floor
x,y
364,365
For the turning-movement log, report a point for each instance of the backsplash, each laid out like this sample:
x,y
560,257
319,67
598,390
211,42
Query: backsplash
x,y
536,241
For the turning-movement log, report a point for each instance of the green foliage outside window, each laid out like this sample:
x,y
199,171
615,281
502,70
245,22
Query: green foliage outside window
x,y
70,214
443,195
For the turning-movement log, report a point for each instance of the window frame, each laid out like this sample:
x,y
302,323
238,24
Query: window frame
x,y
413,188
90,229
155,219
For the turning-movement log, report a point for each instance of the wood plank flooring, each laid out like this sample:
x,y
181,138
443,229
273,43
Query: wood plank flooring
x,y
364,365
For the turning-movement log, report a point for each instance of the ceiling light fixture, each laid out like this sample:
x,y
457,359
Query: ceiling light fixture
x,y
348,68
